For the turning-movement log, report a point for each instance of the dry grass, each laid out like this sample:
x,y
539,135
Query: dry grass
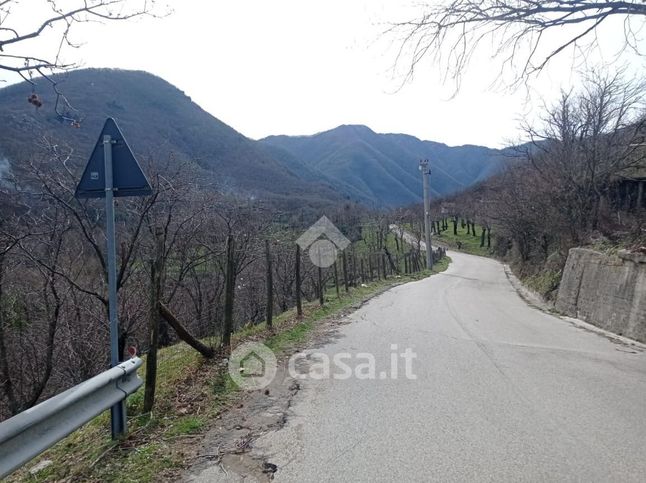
x,y
191,392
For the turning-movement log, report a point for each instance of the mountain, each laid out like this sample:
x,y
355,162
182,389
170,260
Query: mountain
x,y
382,169
159,122
162,125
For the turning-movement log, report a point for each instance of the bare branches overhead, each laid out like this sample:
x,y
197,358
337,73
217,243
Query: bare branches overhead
x,y
52,21
16,52
451,31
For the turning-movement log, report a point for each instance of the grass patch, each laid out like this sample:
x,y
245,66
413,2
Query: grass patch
x,y
293,336
442,265
190,393
186,425
369,244
606,247
467,242
546,282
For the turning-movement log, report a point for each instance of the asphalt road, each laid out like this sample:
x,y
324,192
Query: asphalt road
x,y
504,392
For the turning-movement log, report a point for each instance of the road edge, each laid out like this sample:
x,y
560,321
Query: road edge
x,y
534,300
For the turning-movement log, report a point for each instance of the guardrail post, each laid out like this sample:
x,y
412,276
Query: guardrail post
x,y
31,432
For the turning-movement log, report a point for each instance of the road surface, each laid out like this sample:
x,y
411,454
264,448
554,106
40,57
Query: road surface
x,y
504,392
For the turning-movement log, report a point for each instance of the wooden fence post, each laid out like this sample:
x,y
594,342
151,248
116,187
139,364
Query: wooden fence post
x,y
336,280
345,272
229,292
320,284
299,297
270,287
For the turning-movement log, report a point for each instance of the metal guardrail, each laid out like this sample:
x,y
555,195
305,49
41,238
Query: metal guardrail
x,y
31,432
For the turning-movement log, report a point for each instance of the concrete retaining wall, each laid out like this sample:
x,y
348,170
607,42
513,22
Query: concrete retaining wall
x,y
606,291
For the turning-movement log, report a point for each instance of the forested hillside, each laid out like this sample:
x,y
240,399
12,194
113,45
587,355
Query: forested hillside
x,y
164,126
383,168
161,124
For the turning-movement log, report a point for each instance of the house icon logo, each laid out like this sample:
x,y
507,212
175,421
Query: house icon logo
x,y
323,251
252,366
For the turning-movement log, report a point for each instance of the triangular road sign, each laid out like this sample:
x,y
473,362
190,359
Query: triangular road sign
x,y
128,178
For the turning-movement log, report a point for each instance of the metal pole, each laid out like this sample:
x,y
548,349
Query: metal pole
x,y
118,411
426,174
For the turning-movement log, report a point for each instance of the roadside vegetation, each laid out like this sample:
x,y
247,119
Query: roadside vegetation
x,y
467,238
454,232
191,392
579,181
198,271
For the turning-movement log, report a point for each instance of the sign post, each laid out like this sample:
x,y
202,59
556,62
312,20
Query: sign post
x,y
118,419
112,170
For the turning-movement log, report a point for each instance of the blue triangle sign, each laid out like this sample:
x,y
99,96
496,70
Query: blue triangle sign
x,y
128,178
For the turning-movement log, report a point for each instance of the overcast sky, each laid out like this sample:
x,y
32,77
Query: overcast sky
x,y
301,67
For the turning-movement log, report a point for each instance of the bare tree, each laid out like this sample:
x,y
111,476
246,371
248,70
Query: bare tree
x,y
585,141
234,245
450,32
567,186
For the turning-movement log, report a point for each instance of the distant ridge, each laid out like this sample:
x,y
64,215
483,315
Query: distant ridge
x,y
159,121
383,168
348,163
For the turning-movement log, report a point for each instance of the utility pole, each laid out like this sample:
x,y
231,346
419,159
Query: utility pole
x,y
426,174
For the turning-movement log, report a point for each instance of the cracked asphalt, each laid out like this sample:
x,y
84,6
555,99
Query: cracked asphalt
x,y
504,392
